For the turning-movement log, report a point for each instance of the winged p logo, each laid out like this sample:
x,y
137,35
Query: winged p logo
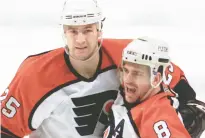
x,y
89,110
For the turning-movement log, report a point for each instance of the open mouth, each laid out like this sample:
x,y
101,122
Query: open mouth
x,y
130,90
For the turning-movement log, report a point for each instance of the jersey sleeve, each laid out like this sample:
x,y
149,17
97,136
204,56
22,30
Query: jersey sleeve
x,y
114,48
162,121
177,81
14,120
173,75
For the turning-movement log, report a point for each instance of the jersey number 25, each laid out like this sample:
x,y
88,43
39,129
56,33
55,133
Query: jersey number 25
x,y
10,108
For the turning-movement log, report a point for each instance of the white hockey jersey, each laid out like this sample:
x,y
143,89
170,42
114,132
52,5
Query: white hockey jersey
x,y
48,99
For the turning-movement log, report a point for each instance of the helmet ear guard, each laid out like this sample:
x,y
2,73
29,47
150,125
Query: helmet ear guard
x,y
101,25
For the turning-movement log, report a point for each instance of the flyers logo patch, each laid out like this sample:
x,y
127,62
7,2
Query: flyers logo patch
x,y
107,106
91,109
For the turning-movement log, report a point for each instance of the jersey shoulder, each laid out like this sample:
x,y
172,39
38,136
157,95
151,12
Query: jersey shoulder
x,y
173,75
155,101
150,105
114,48
37,77
41,73
158,114
177,68
45,66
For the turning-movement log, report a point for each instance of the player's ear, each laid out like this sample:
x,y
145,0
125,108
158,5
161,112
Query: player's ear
x,y
157,78
64,29
99,34
99,30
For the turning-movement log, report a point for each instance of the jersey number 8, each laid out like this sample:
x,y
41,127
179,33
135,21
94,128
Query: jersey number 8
x,y
162,130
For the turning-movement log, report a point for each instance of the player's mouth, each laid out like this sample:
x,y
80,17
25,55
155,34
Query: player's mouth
x,y
81,48
130,90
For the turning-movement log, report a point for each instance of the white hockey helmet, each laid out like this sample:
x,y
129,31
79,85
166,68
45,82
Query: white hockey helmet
x,y
148,51
81,12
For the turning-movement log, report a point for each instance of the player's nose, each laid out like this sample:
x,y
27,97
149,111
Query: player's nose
x,y
80,38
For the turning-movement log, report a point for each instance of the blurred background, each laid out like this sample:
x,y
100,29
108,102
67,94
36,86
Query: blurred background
x,y
32,26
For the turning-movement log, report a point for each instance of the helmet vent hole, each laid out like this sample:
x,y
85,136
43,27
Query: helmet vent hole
x,y
135,60
143,56
146,57
150,58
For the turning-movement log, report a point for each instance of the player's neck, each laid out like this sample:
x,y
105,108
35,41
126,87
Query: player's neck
x,y
151,92
86,68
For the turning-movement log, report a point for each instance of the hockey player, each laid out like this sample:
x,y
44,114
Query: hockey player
x,y
65,92
147,107
191,109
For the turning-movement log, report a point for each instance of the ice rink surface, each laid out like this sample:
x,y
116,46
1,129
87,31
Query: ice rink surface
x,y
29,27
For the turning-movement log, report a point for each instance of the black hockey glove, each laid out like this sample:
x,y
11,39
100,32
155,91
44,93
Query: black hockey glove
x,y
193,114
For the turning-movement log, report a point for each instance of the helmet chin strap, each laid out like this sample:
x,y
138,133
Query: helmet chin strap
x,y
94,53
150,90
142,98
151,80
153,72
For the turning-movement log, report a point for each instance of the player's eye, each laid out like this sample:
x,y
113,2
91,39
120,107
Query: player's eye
x,y
125,70
87,31
73,31
137,73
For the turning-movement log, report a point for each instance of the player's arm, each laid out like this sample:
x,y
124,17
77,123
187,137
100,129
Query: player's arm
x,y
194,117
162,122
12,112
177,81
8,134
184,89
14,109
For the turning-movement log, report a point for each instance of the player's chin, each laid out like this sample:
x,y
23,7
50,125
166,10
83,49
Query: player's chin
x,y
131,99
82,56
85,56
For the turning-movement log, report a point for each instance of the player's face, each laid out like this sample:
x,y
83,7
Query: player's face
x,y
136,80
82,40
